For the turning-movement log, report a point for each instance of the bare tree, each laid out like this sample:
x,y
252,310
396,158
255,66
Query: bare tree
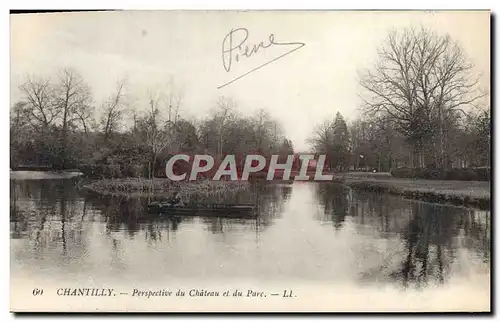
x,y
113,110
18,130
84,115
420,76
264,129
17,119
71,96
225,111
322,138
40,109
157,136
159,126
174,95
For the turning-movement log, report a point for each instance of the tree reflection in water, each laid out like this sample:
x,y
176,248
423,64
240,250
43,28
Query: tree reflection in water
x,y
46,211
269,199
431,234
335,200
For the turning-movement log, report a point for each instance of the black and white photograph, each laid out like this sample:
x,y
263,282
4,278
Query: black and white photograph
x,y
250,161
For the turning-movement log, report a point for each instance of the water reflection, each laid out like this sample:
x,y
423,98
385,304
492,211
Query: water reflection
x,y
432,234
336,201
301,232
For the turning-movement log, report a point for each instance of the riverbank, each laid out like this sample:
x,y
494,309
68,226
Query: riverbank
x,y
463,193
43,175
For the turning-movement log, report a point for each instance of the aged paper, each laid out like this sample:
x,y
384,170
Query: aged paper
x,y
250,161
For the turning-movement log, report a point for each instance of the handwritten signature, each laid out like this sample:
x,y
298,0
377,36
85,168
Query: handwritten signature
x,y
234,47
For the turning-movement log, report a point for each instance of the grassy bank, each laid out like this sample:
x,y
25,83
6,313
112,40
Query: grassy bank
x,y
456,174
465,193
43,175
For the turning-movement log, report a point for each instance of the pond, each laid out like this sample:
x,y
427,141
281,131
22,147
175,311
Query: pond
x,y
310,237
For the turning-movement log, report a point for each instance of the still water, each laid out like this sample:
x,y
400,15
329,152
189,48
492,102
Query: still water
x,y
306,233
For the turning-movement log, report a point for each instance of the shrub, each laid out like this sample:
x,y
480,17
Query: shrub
x,y
403,173
114,170
134,170
90,170
484,173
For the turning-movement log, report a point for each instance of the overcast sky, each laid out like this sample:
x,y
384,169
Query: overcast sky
x,y
300,89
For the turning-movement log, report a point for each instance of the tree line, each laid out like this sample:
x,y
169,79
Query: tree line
x,y
422,108
55,124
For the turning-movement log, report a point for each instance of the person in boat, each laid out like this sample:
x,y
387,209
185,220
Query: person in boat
x,y
176,200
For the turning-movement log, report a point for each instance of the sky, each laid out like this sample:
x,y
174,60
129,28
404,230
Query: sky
x,y
155,49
